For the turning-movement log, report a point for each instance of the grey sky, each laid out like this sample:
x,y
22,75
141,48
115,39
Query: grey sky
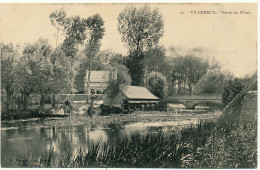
x,y
230,38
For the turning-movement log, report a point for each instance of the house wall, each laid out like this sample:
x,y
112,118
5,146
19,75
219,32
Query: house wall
x,y
117,102
97,86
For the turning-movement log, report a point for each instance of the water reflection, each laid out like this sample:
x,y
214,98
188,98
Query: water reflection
x,y
31,139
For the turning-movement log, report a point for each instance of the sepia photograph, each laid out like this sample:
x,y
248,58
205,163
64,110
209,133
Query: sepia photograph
x,y
128,85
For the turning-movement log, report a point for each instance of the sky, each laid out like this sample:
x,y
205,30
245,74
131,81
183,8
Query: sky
x,y
231,39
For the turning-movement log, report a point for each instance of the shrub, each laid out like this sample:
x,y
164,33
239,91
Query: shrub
x,y
233,88
157,84
106,110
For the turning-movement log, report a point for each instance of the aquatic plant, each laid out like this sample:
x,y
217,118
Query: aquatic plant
x,y
218,144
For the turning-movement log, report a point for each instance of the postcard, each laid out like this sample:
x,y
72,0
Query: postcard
x,y
128,85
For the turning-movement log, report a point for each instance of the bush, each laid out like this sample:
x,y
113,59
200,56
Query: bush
x,y
106,110
157,84
233,88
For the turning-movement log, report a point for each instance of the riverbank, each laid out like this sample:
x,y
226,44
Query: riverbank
x,y
38,136
220,144
82,119
142,139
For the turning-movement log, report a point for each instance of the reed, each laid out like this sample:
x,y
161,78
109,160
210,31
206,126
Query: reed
x,y
219,144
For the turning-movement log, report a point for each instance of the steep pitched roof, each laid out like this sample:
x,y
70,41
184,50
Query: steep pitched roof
x,y
98,76
137,92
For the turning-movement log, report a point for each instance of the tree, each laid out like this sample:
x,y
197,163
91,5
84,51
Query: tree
x,y
140,29
95,25
36,70
44,71
157,84
232,89
26,80
214,81
75,35
102,61
60,21
119,77
108,58
135,65
9,56
155,61
187,71
80,31
61,73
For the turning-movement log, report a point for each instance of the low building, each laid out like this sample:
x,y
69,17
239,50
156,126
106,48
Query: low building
x,y
132,98
98,81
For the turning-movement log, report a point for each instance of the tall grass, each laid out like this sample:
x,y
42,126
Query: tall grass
x,y
219,144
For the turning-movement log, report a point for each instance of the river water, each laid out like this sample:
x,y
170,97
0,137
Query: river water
x,y
33,138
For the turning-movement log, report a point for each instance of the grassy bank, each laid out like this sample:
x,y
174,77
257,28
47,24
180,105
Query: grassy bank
x,y
219,144
228,142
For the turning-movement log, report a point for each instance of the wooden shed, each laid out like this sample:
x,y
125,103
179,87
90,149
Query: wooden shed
x,y
133,98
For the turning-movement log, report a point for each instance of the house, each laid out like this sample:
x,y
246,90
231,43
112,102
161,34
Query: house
x,y
98,81
132,98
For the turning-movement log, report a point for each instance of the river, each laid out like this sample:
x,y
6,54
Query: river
x,y
34,138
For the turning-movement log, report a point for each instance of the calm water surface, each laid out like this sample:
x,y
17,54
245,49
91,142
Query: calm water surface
x,y
31,139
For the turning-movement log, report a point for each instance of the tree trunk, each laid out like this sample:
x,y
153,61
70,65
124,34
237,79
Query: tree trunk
x,y
190,88
111,102
184,87
25,100
13,104
57,37
91,104
53,103
179,87
171,89
22,96
88,84
90,110
8,98
42,101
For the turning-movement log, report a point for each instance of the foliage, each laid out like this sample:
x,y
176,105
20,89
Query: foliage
x,y
38,59
118,77
233,88
135,65
154,59
207,145
62,73
79,31
214,81
140,29
75,35
95,25
187,71
102,61
9,57
247,79
229,145
44,71
60,21
108,58
157,84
